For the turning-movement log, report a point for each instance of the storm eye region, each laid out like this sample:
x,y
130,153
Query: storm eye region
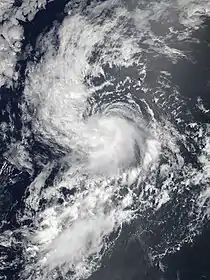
x,y
114,144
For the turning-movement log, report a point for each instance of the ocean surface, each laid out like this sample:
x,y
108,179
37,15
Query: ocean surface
x,y
104,140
